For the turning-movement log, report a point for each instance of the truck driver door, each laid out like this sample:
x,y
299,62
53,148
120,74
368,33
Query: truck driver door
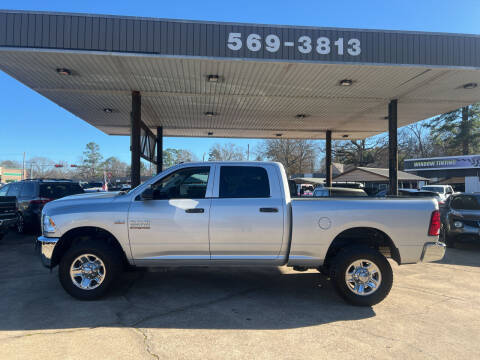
x,y
173,225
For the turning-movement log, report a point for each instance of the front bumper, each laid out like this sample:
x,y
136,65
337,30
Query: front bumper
x,y
433,251
46,247
6,223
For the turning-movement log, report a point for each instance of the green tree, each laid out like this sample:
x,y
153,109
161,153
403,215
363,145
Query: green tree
x,y
91,163
173,157
297,156
226,152
458,131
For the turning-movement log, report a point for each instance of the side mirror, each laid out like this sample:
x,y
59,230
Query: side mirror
x,y
147,194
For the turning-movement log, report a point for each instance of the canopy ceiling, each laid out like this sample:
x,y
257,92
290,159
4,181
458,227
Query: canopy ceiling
x,y
255,97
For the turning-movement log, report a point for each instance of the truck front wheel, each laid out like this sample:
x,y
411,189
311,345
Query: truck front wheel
x,y
362,276
88,269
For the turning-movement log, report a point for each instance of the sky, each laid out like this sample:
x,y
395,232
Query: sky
x,y
32,124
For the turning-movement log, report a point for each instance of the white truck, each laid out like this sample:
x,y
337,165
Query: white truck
x,y
235,214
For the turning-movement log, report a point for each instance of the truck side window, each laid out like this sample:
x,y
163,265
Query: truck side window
x,y
188,183
243,182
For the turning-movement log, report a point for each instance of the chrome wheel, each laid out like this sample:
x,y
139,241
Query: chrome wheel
x,y
87,271
363,277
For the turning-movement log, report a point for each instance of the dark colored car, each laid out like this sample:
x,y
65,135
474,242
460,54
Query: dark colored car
x,y
461,218
412,193
33,194
8,212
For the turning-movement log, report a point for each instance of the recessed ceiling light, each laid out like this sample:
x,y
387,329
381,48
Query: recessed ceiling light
x,y
210,133
346,82
213,78
301,116
210,113
63,71
345,136
470,86
278,135
108,110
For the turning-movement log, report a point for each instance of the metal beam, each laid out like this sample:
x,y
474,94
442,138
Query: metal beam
x,y
393,147
135,137
159,149
328,158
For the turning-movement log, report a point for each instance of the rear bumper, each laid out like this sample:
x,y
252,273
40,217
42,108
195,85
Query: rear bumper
x,y
433,251
46,246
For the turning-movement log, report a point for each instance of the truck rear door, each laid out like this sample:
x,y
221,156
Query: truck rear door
x,y
247,213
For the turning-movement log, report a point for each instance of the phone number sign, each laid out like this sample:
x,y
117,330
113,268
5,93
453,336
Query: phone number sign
x,y
303,44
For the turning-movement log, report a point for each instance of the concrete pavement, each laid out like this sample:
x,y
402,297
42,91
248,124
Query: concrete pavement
x,y
433,312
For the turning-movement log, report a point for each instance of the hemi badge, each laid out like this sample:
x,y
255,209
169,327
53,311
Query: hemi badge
x,y
120,222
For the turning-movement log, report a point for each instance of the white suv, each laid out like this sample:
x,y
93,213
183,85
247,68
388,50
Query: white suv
x,y
443,190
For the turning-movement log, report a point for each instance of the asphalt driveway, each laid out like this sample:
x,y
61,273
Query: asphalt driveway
x,y
433,311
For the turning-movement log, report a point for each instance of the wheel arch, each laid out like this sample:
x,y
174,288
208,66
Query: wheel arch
x,y
363,236
83,233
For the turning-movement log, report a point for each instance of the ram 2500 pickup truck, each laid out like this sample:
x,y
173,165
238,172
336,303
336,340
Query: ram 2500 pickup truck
x,y
235,214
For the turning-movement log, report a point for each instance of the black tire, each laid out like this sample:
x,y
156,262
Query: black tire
x,y
112,268
450,242
342,262
324,271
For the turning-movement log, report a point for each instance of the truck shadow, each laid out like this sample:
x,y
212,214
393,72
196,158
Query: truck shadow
x,y
464,253
185,298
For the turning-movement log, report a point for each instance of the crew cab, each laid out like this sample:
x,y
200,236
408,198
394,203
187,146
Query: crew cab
x,y
235,214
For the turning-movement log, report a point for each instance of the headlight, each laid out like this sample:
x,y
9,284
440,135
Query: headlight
x,y
458,224
48,225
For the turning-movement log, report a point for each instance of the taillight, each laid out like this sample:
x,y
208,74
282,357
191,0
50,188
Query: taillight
x,y
40,201
435,224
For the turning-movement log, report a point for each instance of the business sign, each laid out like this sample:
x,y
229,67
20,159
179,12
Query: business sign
x,y
54,31
452,162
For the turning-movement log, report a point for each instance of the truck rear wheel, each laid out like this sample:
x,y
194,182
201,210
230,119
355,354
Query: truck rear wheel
x,y
362,276
88,269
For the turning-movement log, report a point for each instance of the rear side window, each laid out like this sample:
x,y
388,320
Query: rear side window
x,y
28,190
59,190
14,189
243,182
466,202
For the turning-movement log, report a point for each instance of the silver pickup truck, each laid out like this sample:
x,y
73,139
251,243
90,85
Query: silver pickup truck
x,y
235,214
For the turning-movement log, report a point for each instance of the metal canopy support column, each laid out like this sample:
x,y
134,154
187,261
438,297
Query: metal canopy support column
x,y
159,149
328,158
135,137
393,147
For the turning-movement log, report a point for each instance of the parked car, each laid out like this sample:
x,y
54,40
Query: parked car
x,y
232,214
444,191
461,219
338,192
413,193
305,189
33,194
8,211
93,187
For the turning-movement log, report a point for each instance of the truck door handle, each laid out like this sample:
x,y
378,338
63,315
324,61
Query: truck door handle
x,y
195,211
268,210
